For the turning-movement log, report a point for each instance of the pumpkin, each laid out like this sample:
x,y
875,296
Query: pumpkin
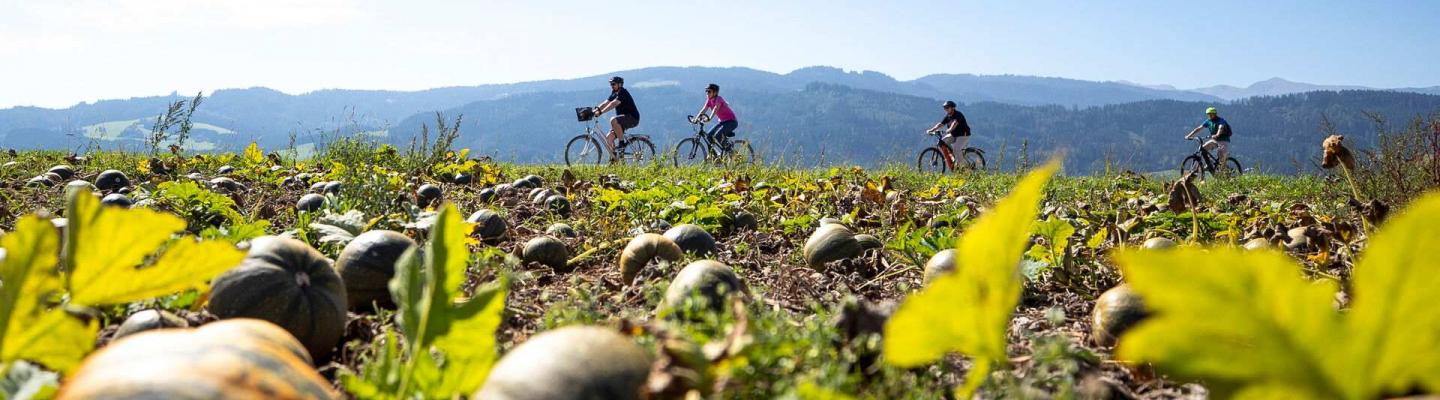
x,y
486,195
537,196
548,251
743,221
310,202
488,225
195,176
331,187
111,180
1158,243
117,200
146,320
692,239
561,230
227,185
503,189
558,204
830,221
463,178
643,249
286,282
366,266
941,263
232,359
712,281
1257,244
575,362
1115,311
318,187
63,171
226,169
40,181
833,241
523,183
76,185
427,194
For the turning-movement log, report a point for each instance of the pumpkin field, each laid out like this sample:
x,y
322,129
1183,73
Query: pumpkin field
x,y
371,272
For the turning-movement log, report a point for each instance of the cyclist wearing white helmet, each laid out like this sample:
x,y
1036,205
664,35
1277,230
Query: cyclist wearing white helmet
x,y
1219,134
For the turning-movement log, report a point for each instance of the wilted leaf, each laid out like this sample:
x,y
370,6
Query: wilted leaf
x,y
968,311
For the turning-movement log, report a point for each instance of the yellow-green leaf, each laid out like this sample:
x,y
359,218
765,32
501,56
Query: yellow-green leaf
x,y
1395,315
30,328
105,270
1251,322
253,155
469,350
1232,317
186,264
969,311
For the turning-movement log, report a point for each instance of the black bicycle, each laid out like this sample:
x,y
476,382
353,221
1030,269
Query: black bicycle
x,y
701,149
588,147
932,159
1202,162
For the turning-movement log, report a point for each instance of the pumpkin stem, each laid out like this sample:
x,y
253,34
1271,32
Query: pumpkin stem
x,y
302,279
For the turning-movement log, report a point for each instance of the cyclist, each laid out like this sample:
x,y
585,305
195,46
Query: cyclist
x,y
957,132
1219,134
725,122
627,116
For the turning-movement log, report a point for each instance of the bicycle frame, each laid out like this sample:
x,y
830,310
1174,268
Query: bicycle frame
x,y
594,130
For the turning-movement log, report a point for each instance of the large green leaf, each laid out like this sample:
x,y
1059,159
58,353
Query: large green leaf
x,y
435,319
1395,316
1231,316
30,327
969,311
105,270
1251,322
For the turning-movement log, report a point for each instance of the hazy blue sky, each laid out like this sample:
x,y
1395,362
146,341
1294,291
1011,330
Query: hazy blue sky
x,y
55,53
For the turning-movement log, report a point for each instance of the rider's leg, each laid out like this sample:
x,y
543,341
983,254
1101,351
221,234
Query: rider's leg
x,y
949,150
722,132
616,131
1222,151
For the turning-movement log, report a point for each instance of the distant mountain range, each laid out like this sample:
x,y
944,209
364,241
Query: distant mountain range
x,y
808,115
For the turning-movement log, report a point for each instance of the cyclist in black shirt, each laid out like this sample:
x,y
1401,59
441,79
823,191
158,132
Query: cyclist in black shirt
x,y
627,116
957,132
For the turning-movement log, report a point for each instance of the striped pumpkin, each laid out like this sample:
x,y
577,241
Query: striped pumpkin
x,y
286,282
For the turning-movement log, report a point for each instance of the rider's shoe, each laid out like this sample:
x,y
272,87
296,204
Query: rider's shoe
x,y
726,145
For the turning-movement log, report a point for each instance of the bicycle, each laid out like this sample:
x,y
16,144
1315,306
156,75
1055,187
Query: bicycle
x,y
702,149
587,146
932,159
1202,162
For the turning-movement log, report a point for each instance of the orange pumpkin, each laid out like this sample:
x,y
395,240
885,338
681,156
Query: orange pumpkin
x,y
231,359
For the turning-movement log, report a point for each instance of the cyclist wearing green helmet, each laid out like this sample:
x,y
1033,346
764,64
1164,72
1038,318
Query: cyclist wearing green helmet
x,y
1219,134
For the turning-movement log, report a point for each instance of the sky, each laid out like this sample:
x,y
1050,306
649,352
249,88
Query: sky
x,y
55,53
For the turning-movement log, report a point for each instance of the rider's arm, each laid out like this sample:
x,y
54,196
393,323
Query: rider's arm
x,y
1194,131
953,125
934,128
701,113
605,106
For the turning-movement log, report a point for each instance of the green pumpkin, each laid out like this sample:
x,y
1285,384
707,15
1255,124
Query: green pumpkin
x,y
941,263
288,283
548,251
1115,311
712,281
833,242
146,320
692,239
575,362
367,264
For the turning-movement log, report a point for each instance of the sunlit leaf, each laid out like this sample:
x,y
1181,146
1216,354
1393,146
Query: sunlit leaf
x,y
968,311
1250,320
104,270
31,329
253,154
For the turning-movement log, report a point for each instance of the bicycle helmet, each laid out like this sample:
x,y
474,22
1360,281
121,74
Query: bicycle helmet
x,y
948,104
617,80
1211,110
713,87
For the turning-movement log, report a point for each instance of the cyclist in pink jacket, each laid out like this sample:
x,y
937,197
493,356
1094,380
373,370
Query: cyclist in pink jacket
x,y
724,117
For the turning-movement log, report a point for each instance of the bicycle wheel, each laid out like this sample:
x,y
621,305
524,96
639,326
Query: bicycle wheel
x,y
638,151
1231,167
583,149
689,152
973,159
742,154
931,161
1191,164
